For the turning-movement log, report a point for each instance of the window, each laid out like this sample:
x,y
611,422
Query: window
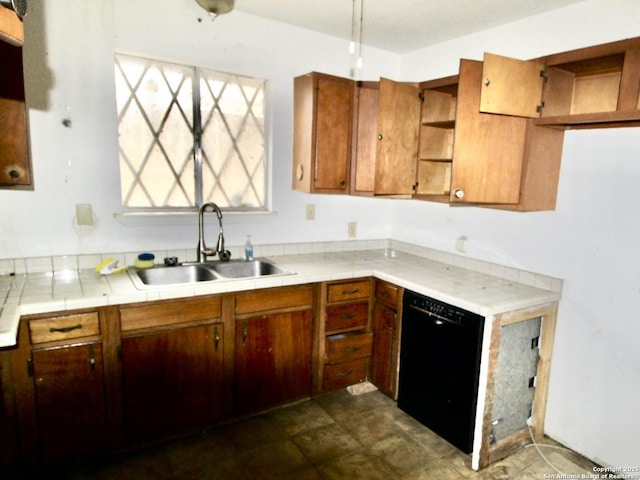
x,y
188,136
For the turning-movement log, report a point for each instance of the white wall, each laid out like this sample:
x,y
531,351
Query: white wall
x,y
590,240
69,70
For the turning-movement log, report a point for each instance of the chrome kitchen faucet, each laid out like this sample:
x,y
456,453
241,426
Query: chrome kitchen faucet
x,y
203,251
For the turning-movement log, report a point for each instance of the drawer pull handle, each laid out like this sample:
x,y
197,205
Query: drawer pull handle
x,y
352,349
350,292
346,373
65,329
347,316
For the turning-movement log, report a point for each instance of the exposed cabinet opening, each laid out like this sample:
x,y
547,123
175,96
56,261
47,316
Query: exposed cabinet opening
x,y
587,86
592,87
436,141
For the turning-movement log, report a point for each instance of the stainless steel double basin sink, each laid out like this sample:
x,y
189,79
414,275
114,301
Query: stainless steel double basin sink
x,y
192,273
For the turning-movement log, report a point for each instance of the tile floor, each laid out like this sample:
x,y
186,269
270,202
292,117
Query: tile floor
x,y
333,437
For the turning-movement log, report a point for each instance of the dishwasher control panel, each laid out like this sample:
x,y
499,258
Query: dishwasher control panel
x,y
439,309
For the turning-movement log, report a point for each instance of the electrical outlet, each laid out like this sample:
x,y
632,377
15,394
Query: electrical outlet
x,y
461,243
84,214
352,229
311,211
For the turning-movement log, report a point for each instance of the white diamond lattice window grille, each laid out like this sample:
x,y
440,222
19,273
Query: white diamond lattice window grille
x,y
189,136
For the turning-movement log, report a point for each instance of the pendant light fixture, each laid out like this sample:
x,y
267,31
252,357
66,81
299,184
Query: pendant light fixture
x,y
355,45
216,7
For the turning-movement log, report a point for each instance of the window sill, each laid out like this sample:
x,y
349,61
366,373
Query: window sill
x,y
137,218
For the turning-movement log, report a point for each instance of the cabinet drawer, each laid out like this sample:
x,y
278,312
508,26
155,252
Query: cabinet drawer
x,y
64,327
340,348
169,313
347,291
347,316
345,373
274,299
387,293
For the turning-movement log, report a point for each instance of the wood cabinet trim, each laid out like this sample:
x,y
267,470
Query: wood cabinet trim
x,y
490,453
167,313
273,299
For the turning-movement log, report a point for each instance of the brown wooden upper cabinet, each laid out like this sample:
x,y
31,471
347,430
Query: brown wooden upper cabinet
x,y
470,157
15,163
323,116
386,138
587,88
492,135
354,137
398,126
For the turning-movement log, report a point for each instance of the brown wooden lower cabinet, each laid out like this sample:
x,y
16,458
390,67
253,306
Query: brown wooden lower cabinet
x,y
70,401
9,453
174,381
273,360
383,374
94,382
386,337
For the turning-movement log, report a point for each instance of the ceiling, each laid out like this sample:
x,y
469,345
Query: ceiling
x,y
399,26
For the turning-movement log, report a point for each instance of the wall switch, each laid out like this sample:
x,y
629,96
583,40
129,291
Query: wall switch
x,y
352,229
84,214
311,212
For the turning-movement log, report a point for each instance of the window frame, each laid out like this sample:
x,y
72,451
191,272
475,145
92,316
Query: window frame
x,y
267,134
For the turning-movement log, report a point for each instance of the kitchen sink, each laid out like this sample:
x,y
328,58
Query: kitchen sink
x,y
190,273
177,275
247,269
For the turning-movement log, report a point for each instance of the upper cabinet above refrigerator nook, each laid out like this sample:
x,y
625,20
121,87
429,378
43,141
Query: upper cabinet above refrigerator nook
x,y
591,87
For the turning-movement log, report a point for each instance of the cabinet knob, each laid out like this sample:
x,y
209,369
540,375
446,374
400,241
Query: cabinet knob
x,y
487,81
343,183
380,136
459,193
14,174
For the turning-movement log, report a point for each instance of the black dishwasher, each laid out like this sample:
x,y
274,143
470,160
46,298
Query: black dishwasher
x,y
439,367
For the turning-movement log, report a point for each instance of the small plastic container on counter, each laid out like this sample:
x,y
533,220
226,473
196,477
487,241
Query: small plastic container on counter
x,y
145,260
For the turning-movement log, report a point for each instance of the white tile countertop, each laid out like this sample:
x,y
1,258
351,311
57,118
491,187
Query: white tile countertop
x,y
480,287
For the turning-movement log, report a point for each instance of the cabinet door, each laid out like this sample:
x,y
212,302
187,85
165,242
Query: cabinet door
x,y
69,388
334,113
511,86
9,453
488,150
398,134
384,361
15,165
173,380
323,117
11,29
273,360
363,165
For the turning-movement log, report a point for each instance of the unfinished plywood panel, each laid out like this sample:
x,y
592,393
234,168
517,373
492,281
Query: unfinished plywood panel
x,y
517,367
